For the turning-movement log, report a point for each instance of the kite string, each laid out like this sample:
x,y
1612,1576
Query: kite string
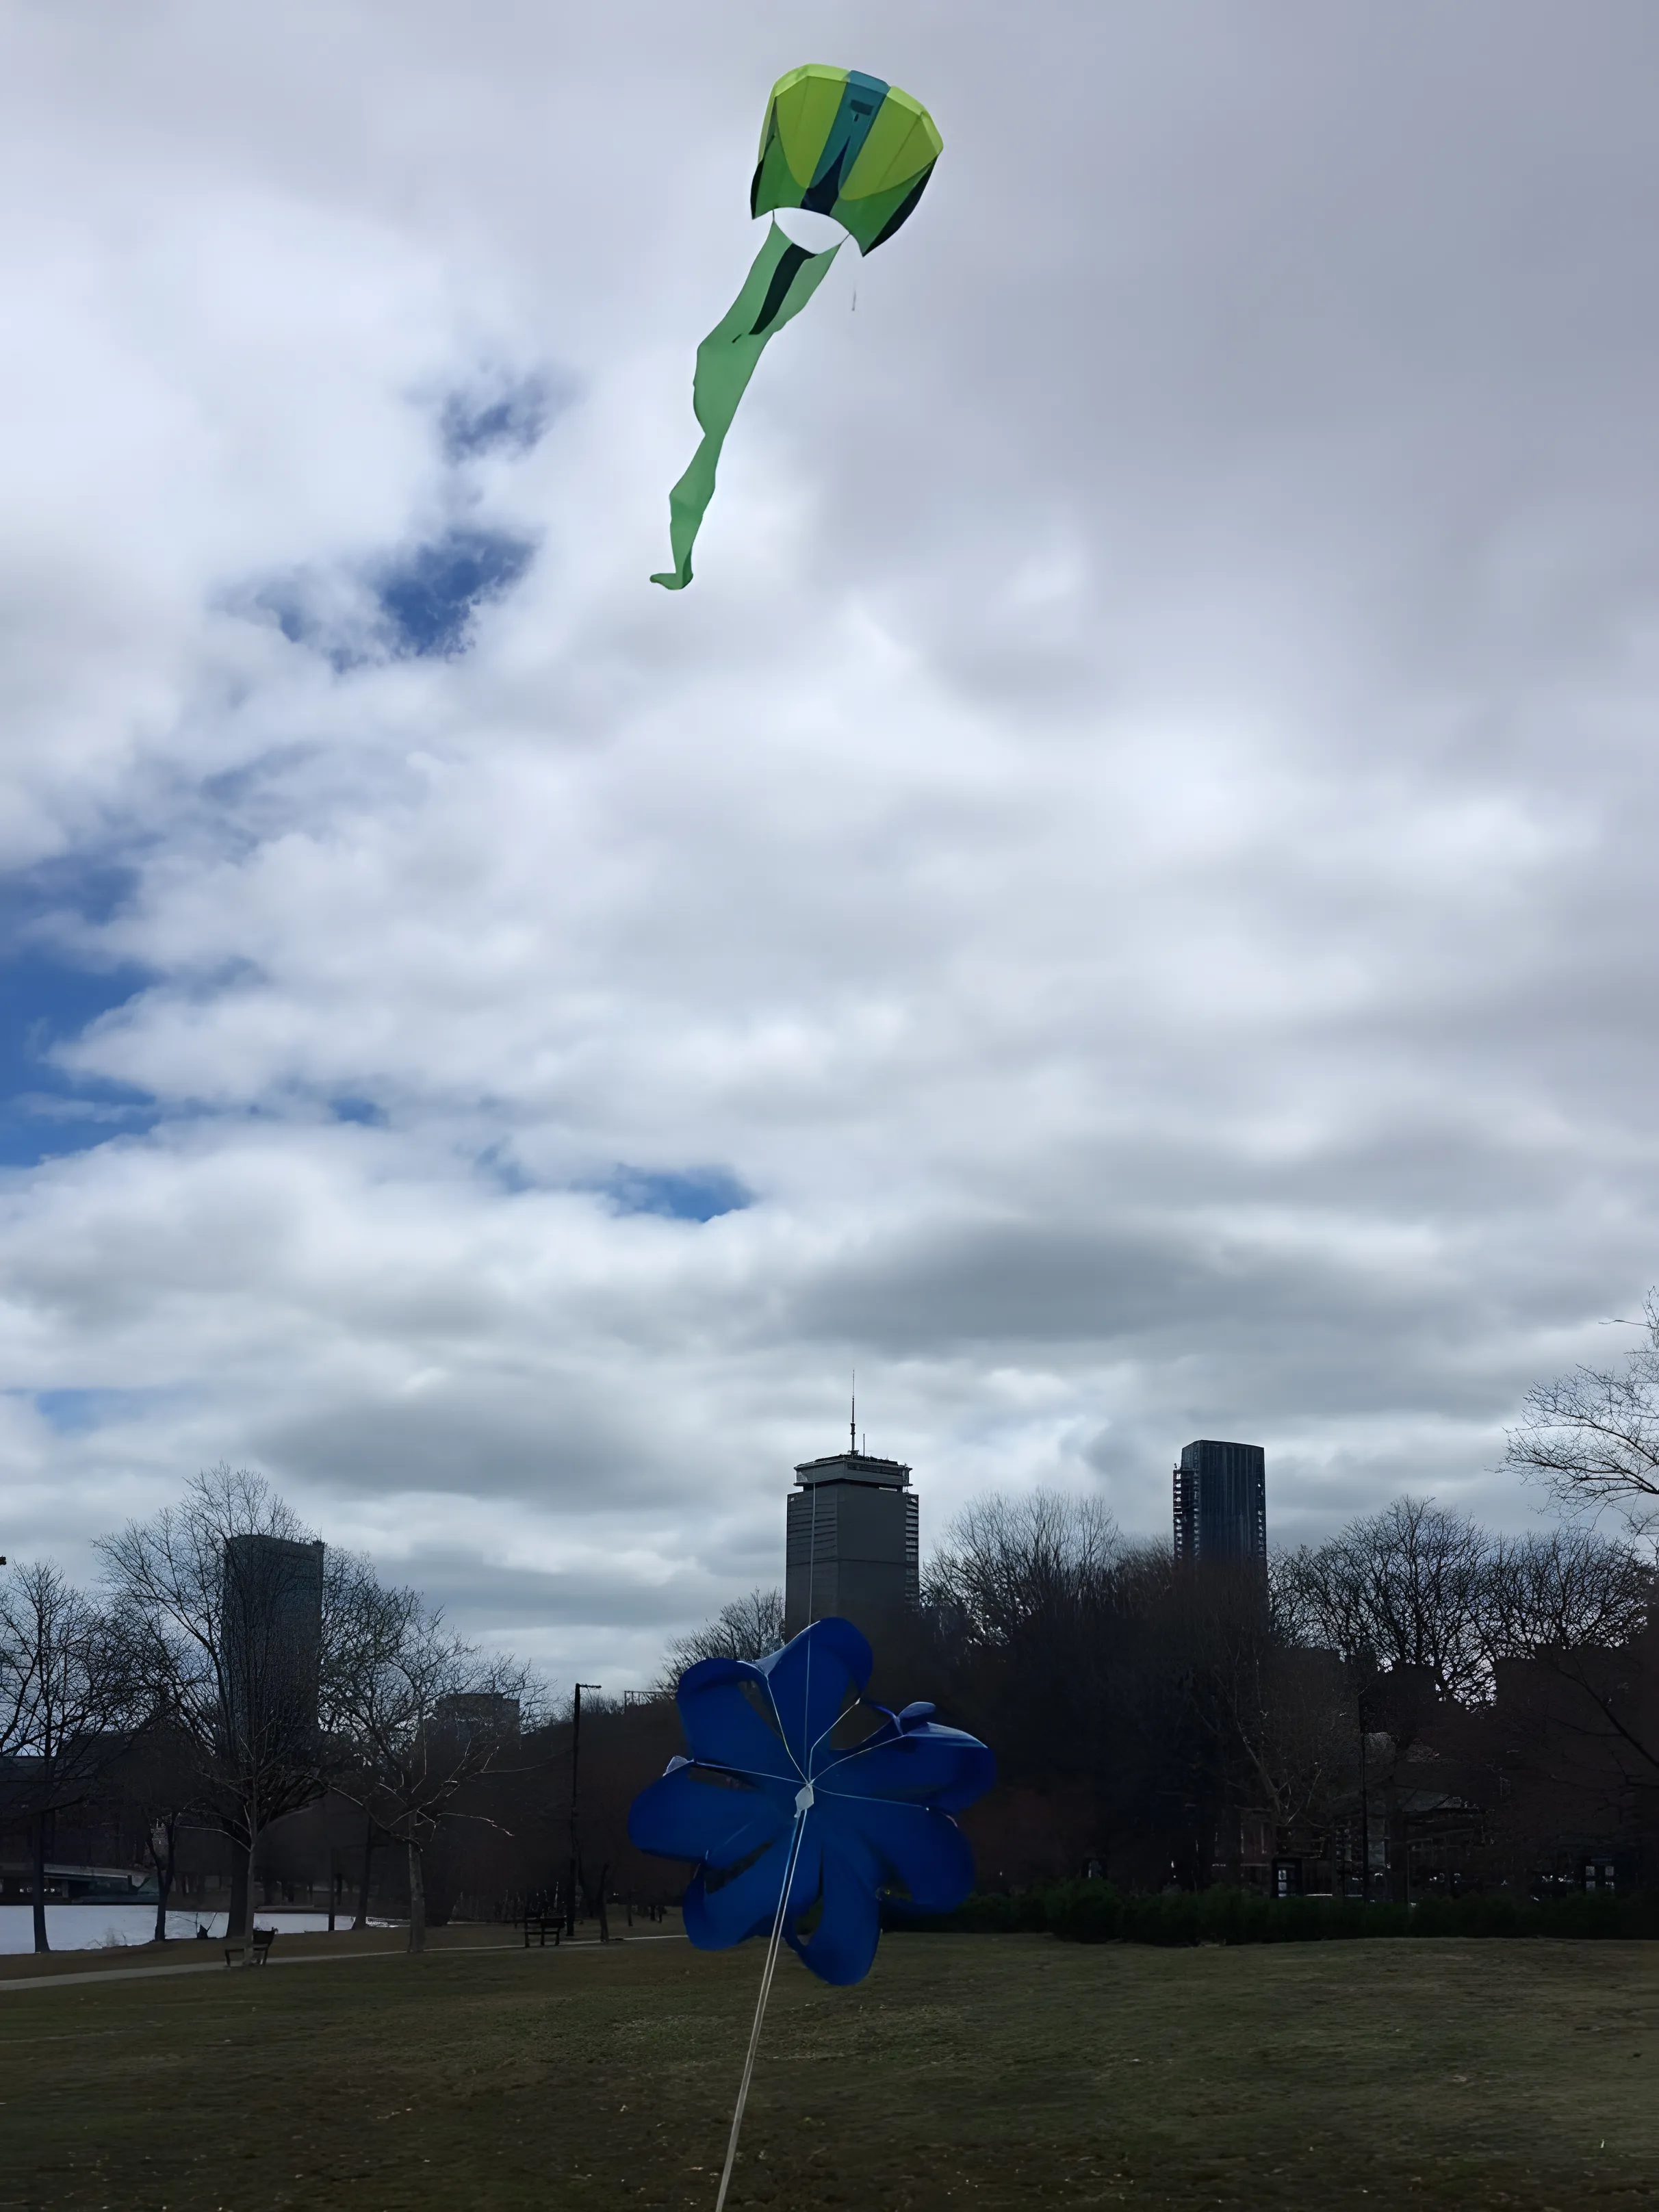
x,y
765,1992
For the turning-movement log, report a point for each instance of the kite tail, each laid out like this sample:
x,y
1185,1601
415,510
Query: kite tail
x,y
783,279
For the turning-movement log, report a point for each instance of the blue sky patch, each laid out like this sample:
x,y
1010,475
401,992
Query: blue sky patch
x,y
428,597
74,888
497,1160
74,1412
47,999
505,417
313,612
417,604
679,1195
359,1110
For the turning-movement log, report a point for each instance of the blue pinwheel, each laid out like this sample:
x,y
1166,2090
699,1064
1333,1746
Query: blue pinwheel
x,y
786,1822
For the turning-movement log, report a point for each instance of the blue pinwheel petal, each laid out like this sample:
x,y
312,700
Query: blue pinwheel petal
x,y
723,1728
842,1949
682,1816
717,1918
912,1847
927,1765
748,1903
808,1680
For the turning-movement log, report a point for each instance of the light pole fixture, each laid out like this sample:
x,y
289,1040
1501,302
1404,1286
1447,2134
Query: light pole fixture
x,y
575,1765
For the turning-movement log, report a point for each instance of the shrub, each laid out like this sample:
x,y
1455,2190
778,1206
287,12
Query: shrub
x,y
1096,1913
1086,1912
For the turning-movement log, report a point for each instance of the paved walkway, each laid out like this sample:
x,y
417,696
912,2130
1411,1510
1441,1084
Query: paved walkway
x,y
305,1958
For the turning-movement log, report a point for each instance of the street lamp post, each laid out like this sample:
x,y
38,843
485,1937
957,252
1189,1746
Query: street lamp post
x,y
575,1763
1365,1812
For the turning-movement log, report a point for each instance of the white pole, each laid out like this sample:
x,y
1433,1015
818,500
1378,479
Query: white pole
x,y
803,1806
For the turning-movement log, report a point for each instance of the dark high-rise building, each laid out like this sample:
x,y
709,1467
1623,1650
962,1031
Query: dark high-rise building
x,y
272,1599
1221,1501
851,1542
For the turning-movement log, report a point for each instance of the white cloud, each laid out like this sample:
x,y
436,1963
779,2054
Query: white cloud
x,y
1134,848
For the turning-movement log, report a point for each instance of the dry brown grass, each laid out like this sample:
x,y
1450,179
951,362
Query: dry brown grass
x,y
967,2070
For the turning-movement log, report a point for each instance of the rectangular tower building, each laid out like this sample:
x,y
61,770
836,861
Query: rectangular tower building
x,y
271,1596
1221,1501
851,1542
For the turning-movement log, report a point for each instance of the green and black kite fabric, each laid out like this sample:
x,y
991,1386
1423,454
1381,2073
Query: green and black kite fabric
x,y
835,143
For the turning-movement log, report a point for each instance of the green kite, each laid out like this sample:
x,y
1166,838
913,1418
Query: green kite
x,y
835,143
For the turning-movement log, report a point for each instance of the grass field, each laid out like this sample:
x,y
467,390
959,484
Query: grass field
x,y
984,2071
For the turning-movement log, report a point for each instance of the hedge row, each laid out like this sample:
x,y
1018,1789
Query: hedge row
x,y
1095,1912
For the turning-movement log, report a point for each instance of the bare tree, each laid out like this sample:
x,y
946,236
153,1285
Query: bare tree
x,y
62,1707
15,1675
223,1602
163,1792
1406,1587
1006,1562
1579,1607
748,1628
1564,1592
1292,1712
422,1713
1070,1652
1592,1437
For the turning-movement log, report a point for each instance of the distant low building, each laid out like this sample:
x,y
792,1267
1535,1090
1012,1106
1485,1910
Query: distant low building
x,y
70,1882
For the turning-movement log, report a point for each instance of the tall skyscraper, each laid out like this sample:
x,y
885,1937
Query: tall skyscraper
x,y
851,1542
1221,1501
272,1599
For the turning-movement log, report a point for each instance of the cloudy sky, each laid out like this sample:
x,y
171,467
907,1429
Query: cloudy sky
x,y
1120,903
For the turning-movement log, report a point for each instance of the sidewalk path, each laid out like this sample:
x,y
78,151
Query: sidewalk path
x,y
307,1959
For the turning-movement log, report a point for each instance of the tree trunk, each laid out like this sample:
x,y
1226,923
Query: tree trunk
x,y
1394,1888
238,1911
417,1899
362,1920
1234,1848
605,1918
39,1840
244,1933
163,1881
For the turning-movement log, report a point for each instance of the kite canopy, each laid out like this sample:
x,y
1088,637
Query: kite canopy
x,y
870,1815
841,144
835,143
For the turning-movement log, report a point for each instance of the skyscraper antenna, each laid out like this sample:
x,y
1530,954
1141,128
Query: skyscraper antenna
x,y
853,1424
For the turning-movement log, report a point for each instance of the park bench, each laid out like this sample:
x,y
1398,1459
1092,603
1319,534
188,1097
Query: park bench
x,y
541,1921
255,1951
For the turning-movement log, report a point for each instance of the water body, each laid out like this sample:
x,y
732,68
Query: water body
x,y
113,1927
